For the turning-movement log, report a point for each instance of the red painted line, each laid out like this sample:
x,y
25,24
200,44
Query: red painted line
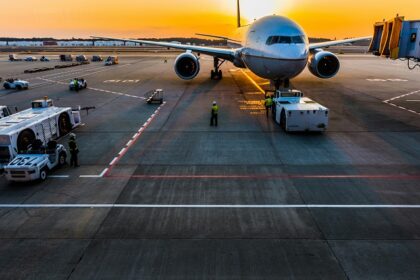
x,y
268,177
131,143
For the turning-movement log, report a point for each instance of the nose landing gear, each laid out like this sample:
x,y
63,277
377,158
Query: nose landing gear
x,y
216,74
281,83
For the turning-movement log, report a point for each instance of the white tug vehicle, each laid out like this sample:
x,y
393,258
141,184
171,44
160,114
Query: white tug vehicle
x,y
294,112
36,163
43,122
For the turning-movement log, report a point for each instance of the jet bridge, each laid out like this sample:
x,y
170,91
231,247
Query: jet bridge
x,y
397,39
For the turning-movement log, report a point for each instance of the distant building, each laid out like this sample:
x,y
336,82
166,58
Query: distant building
x,y
25,43
75,43
50,43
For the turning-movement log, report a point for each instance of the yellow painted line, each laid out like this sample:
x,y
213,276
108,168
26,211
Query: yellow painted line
x,y
253,82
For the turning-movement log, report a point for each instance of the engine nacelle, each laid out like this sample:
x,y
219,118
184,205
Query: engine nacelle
x,y
187,66
324,64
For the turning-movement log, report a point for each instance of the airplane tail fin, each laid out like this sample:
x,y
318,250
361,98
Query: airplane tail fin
x,y
238,13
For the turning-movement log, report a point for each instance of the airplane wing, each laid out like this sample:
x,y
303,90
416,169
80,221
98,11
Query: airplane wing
x,y
337,42
223,53
217,37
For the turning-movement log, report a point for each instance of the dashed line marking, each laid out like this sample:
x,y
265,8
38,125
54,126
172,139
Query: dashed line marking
x,y
131,142
113,161
388,101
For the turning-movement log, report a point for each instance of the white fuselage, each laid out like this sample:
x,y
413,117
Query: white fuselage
x,y
275,48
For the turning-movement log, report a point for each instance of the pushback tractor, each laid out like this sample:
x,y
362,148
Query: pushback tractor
x,y
43,122
294,112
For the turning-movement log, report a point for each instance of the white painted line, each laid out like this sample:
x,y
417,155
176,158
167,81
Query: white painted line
x,y
247,206
413,100
103,172
135,135
129,143
59,176
113,161
90,176
403,95
401,107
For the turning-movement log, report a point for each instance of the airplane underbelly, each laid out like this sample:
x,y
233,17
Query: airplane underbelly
x,y
275,69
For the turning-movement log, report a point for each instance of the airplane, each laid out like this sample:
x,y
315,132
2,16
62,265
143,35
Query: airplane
x,y
274,48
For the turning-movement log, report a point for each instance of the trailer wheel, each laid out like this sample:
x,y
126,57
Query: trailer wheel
x,y
6,86
25,138
64,124
19,87
62,159
283,120
43,174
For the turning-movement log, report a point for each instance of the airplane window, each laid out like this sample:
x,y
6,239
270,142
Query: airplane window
x,y
285,40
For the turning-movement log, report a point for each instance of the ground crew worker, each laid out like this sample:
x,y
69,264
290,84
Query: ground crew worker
x,y
73,151
214,112
268,103
76,84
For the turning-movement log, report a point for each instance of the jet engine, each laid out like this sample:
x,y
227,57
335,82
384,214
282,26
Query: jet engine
x,y
187,66
324,64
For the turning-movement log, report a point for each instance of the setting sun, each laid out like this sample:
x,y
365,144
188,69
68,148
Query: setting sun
x,y
168,18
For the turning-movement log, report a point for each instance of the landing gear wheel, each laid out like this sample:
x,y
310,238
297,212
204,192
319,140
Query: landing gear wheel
x,y
283,120
216,73
43,174
62,159
64,124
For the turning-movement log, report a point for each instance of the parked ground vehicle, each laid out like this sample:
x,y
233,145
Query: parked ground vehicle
x,y
81,83
97,58
31,58
66,57
43,121
44,59
297,113
111,60
15,84
81,58
36,163
13,57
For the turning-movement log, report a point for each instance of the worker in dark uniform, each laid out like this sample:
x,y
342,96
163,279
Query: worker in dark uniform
x,y
214,113
268,102
74,161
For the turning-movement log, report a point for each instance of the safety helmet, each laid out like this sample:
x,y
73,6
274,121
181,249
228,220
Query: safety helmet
x,y
214,103
72,136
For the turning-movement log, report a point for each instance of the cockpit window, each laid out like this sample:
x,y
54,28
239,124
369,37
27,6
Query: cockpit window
x,y
285,40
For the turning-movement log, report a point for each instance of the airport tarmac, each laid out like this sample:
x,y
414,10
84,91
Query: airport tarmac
x,y
160,194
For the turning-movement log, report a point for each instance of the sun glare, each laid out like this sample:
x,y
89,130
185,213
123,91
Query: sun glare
x,y
251,9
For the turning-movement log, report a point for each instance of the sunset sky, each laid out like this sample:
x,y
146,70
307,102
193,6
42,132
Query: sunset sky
x,y
170,18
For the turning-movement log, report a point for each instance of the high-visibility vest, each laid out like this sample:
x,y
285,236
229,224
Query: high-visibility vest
x,y
215,109
268,102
